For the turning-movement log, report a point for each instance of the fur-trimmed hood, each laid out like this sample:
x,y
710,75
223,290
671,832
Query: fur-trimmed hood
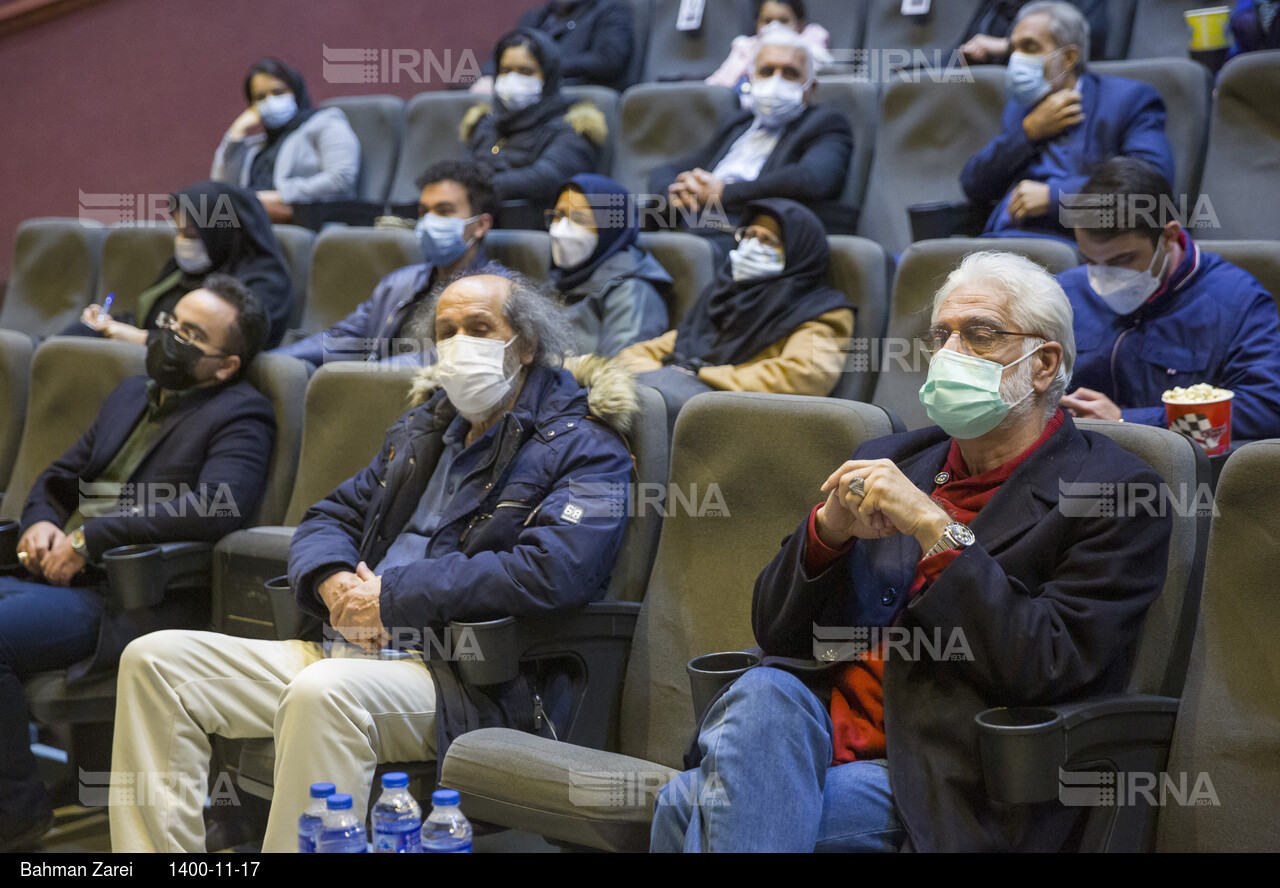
x,y
611,389
583,117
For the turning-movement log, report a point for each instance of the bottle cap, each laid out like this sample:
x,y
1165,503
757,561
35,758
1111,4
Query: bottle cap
x,y
339,801
321,790
445,798
395,780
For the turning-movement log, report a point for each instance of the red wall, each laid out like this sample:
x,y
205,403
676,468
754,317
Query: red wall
x,y
132,96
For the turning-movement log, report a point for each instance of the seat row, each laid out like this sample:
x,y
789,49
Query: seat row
x,y
682,588
913,133
55,277
1136,29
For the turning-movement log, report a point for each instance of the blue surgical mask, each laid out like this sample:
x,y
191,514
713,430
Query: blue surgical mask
x,y
276,111
962,394
441,238
1025,79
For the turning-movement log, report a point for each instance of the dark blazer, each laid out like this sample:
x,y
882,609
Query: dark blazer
x,y
1049,606
1122,118
810,164
213,449
596,40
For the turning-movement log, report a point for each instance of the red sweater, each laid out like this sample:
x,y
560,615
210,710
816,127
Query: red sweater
x,y
857,696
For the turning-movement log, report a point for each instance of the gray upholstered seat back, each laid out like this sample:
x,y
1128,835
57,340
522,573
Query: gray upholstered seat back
x,y
747,468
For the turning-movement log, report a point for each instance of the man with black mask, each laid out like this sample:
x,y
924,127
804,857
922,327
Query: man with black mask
x,y
178,454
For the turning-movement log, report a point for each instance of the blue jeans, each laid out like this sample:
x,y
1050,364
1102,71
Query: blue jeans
x,y
41,628
766,782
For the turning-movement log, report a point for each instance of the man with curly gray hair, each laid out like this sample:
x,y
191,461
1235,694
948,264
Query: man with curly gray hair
x,y
479,506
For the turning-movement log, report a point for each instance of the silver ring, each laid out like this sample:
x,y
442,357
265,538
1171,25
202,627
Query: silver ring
x,y
858,487
23,557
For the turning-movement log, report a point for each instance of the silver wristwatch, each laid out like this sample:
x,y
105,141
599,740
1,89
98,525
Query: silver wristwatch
x,y
954,536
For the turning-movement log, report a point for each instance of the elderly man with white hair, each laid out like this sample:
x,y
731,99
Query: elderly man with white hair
x,y
952,538
782,145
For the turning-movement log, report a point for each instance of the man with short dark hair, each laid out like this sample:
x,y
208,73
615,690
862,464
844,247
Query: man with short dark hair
x,y
191,428
1060,121
479,506
1154,311
457,207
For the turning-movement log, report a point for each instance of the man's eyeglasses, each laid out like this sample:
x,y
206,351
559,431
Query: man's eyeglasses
x,y
185,333
977,339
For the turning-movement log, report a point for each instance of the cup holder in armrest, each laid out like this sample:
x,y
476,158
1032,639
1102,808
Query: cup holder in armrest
x,y
487,653
1021,751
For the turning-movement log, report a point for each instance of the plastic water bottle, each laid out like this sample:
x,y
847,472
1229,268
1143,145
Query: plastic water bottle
x,y
446,830
342,832
312,819
397,819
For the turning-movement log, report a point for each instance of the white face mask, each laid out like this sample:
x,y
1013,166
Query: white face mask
x,y
571,244
776,100
753,260
517,91
190,254
1125,290
276,111
473,374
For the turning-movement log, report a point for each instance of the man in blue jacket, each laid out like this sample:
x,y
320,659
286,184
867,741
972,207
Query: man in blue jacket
x,y
1060,121
479,506
455,211
1154,311
186,448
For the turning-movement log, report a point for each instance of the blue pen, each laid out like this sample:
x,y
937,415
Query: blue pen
x,y
105,314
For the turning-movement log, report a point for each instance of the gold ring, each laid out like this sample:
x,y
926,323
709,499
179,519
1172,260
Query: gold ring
x,y
23,558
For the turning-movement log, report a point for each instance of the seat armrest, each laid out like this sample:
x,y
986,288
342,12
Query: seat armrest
x,y
503,643
1026,752
139,576
565,792
931,221
597,637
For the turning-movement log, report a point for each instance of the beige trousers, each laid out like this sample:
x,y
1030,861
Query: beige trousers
x,y
333,719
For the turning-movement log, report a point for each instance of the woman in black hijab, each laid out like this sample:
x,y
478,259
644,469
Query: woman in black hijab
x,y
302,155
221,228
533,137
766,324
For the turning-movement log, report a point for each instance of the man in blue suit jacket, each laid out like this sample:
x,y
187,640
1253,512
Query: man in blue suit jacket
x,y
190,442
1059,123
957,538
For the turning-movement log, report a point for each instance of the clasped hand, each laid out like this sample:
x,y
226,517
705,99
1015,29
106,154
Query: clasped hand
x,y
890,504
